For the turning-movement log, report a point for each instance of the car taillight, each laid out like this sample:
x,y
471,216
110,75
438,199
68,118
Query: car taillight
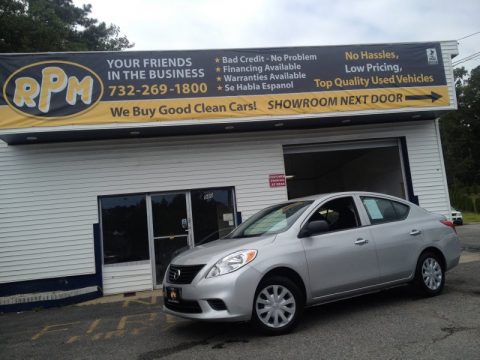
x,y
449,224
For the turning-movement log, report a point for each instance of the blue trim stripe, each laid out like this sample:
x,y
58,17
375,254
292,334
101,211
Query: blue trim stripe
x,y
49,304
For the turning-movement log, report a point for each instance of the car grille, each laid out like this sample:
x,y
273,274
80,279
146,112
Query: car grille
x,y
187,273
184,306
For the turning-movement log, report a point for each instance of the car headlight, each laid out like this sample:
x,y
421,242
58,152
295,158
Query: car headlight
x,y
232,262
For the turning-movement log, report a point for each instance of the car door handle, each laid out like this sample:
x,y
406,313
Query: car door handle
x,y
361,241
415,232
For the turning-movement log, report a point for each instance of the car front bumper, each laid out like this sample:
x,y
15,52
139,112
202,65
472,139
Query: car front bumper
x,y
236,290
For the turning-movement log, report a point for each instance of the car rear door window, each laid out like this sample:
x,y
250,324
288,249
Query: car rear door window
x,y
383,210
402,210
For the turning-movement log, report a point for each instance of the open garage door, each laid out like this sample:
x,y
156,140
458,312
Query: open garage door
x,y
345,166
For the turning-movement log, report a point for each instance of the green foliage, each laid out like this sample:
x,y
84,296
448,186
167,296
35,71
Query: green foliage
x,y
460,132
471,218
54,25
465,198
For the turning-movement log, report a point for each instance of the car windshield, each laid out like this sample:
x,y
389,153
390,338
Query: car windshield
x,y
272,220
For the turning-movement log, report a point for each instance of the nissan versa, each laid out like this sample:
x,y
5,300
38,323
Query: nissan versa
x,y
310,251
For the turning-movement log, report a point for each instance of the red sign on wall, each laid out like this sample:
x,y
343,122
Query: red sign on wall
x,y
277,180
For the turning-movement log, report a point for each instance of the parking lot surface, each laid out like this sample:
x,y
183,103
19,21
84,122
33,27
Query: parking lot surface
x,y
393,324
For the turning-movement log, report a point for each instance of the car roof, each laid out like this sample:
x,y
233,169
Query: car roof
x,y
347,193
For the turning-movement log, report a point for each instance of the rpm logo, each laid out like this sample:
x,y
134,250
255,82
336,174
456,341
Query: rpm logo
x,y
53,89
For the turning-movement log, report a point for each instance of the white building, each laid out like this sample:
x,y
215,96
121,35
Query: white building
x,y
87,209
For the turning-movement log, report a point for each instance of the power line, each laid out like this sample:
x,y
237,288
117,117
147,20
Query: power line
x,y
467,36
468,58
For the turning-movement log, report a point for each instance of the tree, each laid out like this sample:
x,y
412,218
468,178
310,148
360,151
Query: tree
x,y
54,25
460,132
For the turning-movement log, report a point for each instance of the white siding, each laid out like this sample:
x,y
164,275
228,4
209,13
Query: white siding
x,y
49,192
449,50
127,277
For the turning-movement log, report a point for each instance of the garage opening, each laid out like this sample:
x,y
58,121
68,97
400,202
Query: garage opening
x,y
347,166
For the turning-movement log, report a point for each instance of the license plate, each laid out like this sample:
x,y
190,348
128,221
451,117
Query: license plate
x,y
173,294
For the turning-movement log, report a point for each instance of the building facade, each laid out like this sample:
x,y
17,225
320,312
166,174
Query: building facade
x,y
93,210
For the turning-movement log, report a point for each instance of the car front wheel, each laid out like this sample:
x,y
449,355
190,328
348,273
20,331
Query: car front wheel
x,y
430,275
277,306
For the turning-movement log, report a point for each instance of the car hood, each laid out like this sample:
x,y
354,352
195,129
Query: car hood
x,y
215,250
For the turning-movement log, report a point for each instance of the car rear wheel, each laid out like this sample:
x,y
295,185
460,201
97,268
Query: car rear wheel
x,y
430,274
277,306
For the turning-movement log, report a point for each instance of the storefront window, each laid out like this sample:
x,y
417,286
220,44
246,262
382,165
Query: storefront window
x,y
213,214
124,229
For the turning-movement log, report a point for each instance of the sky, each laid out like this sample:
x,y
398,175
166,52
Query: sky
x,y
217,24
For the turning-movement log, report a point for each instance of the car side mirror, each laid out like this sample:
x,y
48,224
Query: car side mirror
x,y
314,228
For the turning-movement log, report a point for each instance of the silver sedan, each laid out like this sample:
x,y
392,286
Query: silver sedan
x,y
311,251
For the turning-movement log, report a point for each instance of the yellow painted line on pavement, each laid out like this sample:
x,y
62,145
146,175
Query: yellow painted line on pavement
x,y
97,336
53,328
152,295
93,326
467,257
73,339
142,319
117,333
153,301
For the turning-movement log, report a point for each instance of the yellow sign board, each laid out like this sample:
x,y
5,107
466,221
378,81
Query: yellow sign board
x,y
239,107
84,89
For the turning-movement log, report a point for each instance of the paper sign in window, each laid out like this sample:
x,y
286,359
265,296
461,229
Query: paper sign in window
x,y
373,210
227,217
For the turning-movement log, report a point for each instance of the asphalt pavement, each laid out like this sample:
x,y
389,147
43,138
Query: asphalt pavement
x,y
393,324
469,236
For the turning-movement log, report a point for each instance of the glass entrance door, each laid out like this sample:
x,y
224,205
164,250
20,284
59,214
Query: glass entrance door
x,y
184,219
171,225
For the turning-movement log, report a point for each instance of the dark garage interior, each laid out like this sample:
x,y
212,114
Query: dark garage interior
x,y
320,170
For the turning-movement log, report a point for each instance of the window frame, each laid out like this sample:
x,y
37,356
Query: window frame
x,y
102,240
372,221
356,213
234,203
236,218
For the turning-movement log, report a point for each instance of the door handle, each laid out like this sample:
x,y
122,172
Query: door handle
x,y
415,232
361,241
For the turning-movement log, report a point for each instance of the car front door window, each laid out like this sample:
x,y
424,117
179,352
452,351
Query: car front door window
x,y
340,214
